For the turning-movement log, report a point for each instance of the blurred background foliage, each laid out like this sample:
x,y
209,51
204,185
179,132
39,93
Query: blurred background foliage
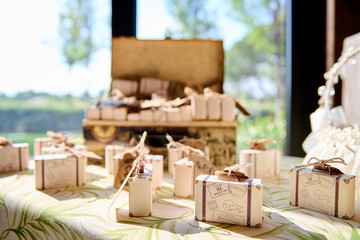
x,y
254,67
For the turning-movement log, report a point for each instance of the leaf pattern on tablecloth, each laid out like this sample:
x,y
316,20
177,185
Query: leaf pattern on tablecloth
x,y
83,213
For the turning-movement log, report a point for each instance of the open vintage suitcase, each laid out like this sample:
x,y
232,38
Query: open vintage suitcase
x,y
195,63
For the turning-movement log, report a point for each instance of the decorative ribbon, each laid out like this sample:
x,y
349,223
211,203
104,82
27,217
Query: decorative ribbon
x,y
322,165
137,165
233,173
187,149
259,144
4,142
76,152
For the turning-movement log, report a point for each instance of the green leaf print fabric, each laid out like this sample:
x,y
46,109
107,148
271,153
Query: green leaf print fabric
x,y
83,213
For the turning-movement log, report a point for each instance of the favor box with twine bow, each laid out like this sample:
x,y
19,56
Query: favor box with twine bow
x,y
140,193
53,139
111,165
59,170
13,157
323,189
157,162
229,199
264,162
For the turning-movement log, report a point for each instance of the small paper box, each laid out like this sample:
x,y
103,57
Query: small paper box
x,y
149,86
127,87
264,163
173,115
157,162
110,151
59,170
186,113
120,114
93,113
234,202
146,115
160,116
107,113
198,107
133,117
140,194
184,178
174,155
228,109
214,107
14,157
124,165
51,150
40,143
321,192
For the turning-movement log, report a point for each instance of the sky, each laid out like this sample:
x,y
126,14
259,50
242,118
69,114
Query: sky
x,y
30,56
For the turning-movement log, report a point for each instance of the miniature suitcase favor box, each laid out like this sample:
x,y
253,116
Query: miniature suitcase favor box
x,y
52,139
139,179
62,170
323,188
229,196
13,157
188,168
264,162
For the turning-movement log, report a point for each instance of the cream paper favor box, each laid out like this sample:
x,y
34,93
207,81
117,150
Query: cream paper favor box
x,y
59,170
157,162
319,191
264,163
40,143
234,202
14,157
174,155
111,165
140,193
184,178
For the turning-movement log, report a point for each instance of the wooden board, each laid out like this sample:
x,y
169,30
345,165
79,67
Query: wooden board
x,y
193,62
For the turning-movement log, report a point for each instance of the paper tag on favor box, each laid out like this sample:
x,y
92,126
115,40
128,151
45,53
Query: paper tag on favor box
x,y
203,165
124,167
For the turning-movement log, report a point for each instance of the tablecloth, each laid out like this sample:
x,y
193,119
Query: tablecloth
x,y
83,213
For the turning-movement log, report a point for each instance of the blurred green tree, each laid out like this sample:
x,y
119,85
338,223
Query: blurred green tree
x,y
193,18
261,54
75,30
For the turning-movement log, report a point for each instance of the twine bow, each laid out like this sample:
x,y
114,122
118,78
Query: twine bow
x,y
187,149
4,142
259,144
323,165
77,152
116,94
136,165
233,173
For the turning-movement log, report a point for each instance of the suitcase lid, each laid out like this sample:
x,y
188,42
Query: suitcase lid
x,y
191,62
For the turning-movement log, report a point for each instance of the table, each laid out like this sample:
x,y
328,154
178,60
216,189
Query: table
x,y
83,213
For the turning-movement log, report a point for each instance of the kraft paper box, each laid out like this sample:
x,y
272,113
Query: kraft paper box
x,y
40,143
173,115
214,107
157,162
59,170
14,157
110,151
231,202
107,113
186,113
124,165
55,150
146,115
319,191
93,113
120,114
140,194
174,155
133,117
199,107
264,163
184,178
127,87
160,116
228,109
